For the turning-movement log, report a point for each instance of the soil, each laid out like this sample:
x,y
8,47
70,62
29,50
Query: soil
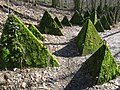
x,y
69,75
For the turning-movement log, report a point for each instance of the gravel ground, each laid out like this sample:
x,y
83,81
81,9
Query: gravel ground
x,y
70,75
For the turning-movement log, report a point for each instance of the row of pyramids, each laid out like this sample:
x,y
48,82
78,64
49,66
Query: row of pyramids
x,y
48,25
21,47
101,65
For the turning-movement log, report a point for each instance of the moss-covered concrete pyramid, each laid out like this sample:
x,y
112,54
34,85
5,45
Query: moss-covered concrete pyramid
x,y
93,17
99,26
75,20
58,22
21,47
87,14
47,25
102,65
82,20
105,23
99,11
66,22
112,16
88,39
36,32
110,20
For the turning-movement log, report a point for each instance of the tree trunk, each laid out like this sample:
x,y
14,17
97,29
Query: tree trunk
x,y
76,4
55,3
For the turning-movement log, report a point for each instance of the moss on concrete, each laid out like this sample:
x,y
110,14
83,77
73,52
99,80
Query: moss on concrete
x,y
47,25
36,32
102,65
22,48
58,22
87,14
105,23
75,20
66,22
99,26
88,39
93,17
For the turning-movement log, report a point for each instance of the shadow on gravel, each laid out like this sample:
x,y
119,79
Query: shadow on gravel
x,y
111,34
70,50
117,54
81,80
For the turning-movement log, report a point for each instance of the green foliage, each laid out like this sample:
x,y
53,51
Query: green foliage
x,y
47,25
66,22
99,26
58,22
102,65
93,17
88,39
105,23
76,20
36,32
22,48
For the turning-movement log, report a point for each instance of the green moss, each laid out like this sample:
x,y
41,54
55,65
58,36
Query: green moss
x,y
88,39
22,48
99,26
47,25
76,20
102,65
36,32
66,22
93,17
58,22
87,14
105,23
109,19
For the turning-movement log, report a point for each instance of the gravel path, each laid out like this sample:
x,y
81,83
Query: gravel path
x,y
65,50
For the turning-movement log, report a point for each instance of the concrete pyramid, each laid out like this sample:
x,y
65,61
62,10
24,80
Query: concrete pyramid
x,y
75,20
36,32
102,65
99,11
47,25
82,20
22,48
58,22
117,15
66,22
93,17
87,14
112,16
88,39
105,23
99,26
109,19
